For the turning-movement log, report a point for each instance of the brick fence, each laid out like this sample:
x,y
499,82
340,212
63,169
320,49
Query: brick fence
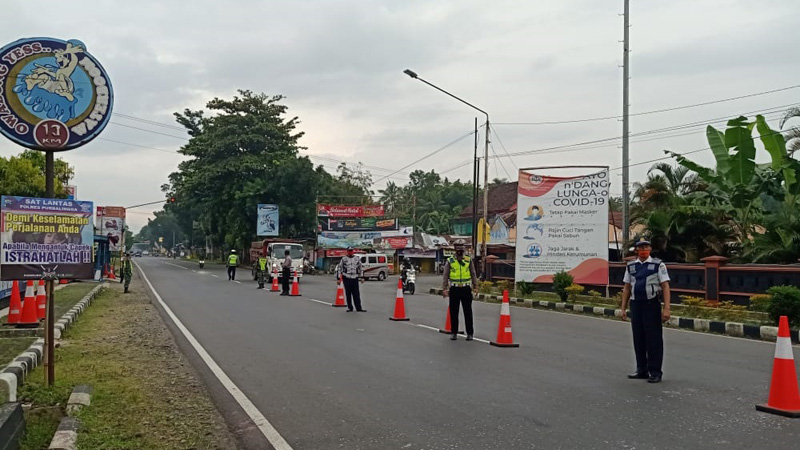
x,y
713,279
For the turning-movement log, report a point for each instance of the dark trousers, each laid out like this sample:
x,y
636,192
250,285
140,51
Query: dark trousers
x,y
231,272
287,273
352,292
260,275
461,296
648,342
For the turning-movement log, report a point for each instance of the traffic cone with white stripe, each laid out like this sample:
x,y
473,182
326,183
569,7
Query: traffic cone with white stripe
x,y
504,338
295,286
275,286
28,317
448,329
41,301
784,396
14,305
339,295
399,304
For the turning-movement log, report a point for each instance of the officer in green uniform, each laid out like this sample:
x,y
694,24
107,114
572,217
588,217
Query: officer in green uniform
x,y
261,270
233,262
459,276
127,270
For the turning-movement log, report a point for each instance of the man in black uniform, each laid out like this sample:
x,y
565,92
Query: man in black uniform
x,y
286,266
646,281
459,276
350,271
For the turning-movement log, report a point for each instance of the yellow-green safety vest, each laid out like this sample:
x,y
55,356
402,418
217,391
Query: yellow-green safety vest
x,y
459,271
233,260
262,263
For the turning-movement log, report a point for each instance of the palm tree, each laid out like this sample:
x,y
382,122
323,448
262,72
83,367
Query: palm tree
x,y
390,197
498,182
792,135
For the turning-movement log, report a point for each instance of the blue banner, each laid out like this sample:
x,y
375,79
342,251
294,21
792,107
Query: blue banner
x,y
267,220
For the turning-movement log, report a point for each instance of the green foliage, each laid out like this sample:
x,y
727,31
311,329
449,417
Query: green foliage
x,y
785,302
594,294
760,302
561,281
574,290
504,285
24,175
486,287
525,288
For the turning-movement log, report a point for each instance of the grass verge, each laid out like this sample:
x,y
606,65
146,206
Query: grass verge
x,y
146,396
10,348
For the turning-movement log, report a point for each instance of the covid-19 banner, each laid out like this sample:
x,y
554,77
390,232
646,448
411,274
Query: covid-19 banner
x,y
267,220
111,224
43,237
562,225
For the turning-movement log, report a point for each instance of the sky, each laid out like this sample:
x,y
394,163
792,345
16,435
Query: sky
x,y
340,65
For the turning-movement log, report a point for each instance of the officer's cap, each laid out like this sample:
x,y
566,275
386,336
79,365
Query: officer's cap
x,y
642,241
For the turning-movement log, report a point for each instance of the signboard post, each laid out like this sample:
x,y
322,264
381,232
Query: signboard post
x,y
562,224
54,96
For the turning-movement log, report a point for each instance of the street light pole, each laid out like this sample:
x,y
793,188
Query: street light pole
x,y
414,75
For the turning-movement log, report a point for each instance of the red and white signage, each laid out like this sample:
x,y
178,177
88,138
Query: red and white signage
x,y
350,211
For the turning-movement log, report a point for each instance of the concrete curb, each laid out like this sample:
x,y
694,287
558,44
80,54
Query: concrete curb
x,y
13,376
66,437
81,396
735,329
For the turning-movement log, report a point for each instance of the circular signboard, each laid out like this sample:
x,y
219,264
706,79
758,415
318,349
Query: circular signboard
x,y
53,94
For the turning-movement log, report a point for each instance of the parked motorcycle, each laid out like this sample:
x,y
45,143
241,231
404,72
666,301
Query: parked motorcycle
x,y
411,280
201,263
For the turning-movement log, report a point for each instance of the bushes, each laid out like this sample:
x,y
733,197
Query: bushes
x,y
574,290
785,302
504,285
561,281
594,294
760,302
524,288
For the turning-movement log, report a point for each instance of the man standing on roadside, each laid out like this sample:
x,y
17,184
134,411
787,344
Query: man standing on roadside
x,y
233,263
646,281
349,271
459,276
127,270
286,265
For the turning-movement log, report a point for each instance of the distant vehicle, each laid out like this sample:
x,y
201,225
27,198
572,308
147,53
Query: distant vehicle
x,y
375,265
137,253
145,253
274,250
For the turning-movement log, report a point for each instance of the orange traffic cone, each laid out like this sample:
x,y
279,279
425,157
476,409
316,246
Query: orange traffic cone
x,y
399,304
275,286
41,301
14,305
504,338
111,274
28,317
339,295
295,286
447,328
784,397
63,281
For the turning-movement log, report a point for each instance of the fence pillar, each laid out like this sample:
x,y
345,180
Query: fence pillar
x,y
713,263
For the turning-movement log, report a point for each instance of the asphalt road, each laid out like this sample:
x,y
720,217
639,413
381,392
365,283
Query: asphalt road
x,y
327,379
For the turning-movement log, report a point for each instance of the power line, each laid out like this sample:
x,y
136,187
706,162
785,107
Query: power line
x,y
150,122
427,156
149,131
504,148
657,111
500,162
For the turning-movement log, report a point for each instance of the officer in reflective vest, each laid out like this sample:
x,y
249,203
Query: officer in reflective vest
x,y
233,262
459,276
646,282
261,270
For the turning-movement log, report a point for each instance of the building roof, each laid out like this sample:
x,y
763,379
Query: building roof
x,y
502,199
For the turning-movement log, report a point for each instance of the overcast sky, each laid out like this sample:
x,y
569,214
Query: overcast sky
x,y
340,64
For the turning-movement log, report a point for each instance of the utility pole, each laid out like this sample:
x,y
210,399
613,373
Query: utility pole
x,y
475,170
485,197
49,335
626,219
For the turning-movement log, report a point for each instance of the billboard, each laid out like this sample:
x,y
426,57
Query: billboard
x,y
111,223
341,211
267,220
358,224
72,192
562,224
373,239
45,237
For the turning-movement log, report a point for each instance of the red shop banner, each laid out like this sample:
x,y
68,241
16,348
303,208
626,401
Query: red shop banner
x,y
336,253
398,242
350,211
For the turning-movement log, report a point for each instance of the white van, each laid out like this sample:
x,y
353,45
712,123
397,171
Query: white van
x,y
375,265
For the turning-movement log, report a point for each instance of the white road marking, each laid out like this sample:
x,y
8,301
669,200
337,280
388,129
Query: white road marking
x,y
237,282
249,408
437,330
194,271
320,301
184,268
215,276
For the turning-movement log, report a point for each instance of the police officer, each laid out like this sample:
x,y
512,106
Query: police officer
x,y
127,270
646,281
261,270
286,265
459,276
350,271
233,262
